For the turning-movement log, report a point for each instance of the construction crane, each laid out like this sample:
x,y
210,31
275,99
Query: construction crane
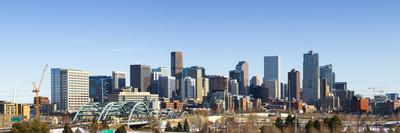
x,y
36,90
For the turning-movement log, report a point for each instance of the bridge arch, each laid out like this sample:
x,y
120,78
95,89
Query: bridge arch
x,y
141,106
124,111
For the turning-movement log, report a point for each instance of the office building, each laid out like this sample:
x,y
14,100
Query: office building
x,y
132,95
118,80
167,86
188,88
311,78
392,96
218,83
196,73
177,68
340,86
233,87
176,64
325,88
69,88
256,81
56,87
100,88
326,72
44,105
162,70
274,90
206,86
140,77
284,91
272,76
154,88
243,68
294,85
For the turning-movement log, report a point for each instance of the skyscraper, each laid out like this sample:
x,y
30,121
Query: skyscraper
x,y
196,73
284,91
325,89
206,86
311,78
272,76
167,86
70,88
294,84
188,90
100,88
176,63
118,80
326,72
177,68
218,83
140,77
243,68
162,70
256,81
233,87
56,87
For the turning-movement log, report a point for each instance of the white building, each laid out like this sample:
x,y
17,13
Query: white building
x,y
272,76
70,89
151,100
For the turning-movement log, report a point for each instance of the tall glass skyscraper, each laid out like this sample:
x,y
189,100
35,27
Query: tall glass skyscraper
x,y
100,88
243,80
272,76
311,78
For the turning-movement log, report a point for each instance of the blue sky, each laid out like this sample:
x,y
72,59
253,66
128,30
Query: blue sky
x,y
359,37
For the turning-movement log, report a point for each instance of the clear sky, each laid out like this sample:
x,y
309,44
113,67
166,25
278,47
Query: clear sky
x,y
359,37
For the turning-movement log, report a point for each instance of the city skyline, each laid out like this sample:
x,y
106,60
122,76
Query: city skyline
x,y
361,42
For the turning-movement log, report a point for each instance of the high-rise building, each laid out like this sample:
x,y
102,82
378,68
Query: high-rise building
x,y
325,89
71,87
284,91
326,72
167,86
272,76
56,90
392,96
294,84
243,68
176,63
206,86
218,83
233,87
162,70
188,90
196,73
274,90
177,68
155,82
256,81
311,78
99,88
236,75
140,77
118,80
340,86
